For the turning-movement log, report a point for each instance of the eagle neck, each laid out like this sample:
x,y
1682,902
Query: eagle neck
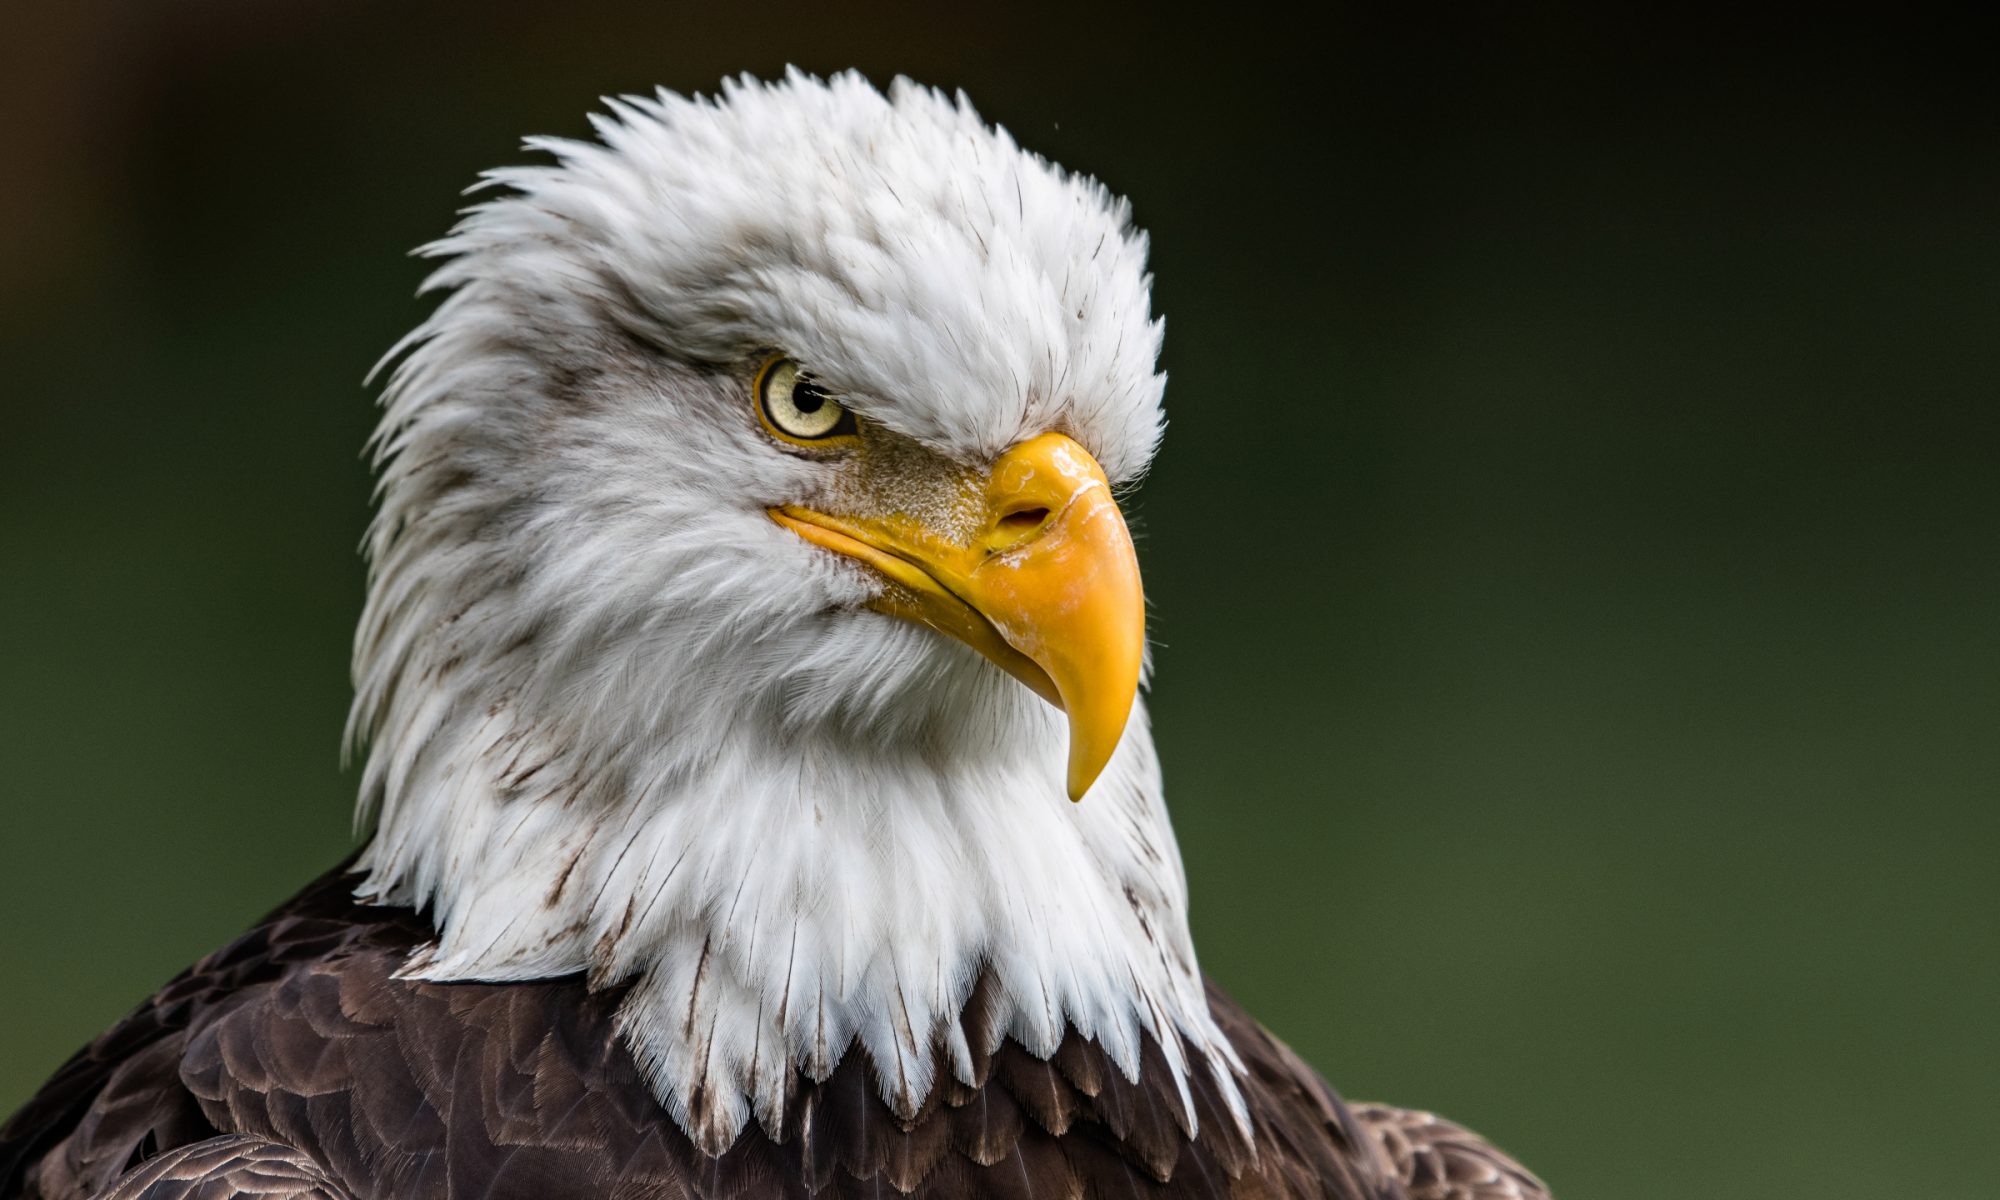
x,y
769,915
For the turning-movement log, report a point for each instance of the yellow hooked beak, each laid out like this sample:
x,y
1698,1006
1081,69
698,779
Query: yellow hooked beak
x,y
1045,584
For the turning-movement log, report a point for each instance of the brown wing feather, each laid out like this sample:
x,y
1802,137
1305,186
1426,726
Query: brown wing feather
x,y
227,1168
1439,1160
1303,1125
300,1037
118,1099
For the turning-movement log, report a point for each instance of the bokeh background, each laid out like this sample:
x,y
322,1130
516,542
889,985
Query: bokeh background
x,y
1574,550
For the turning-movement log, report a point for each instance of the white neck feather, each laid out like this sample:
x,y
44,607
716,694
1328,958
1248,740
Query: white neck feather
x,y
771,911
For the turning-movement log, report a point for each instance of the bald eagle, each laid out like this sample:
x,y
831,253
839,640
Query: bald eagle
x,y
761,805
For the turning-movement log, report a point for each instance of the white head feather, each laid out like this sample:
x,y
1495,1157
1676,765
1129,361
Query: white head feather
x,y
619,722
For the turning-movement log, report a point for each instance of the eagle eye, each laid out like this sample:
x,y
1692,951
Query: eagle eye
x,y
797,409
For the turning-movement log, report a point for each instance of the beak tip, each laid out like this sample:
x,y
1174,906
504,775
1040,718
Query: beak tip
x,y
1085,769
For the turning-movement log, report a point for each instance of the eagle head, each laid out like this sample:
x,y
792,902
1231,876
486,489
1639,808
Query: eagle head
x,y
749,599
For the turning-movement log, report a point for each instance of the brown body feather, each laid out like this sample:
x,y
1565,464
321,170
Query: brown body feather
x,y
1438,1160
293,1063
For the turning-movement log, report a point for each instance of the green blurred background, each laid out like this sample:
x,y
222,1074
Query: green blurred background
x,y
1574,551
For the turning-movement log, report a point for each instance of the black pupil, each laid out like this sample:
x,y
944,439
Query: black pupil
x,y
807,398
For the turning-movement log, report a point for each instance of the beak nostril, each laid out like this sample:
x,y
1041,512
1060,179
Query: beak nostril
x,y
1023,520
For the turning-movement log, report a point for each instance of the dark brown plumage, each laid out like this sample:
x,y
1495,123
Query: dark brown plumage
x,y
293,1063
1438,1160
225,1168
